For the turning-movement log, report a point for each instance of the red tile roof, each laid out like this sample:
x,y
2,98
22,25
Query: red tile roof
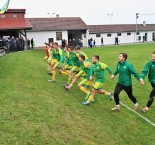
x,y
14,24
60,23
120,28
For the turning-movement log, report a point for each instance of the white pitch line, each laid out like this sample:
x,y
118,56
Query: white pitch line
x,y
147,120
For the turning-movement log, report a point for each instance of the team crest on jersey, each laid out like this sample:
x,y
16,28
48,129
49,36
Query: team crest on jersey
x,y
98,67
124,67
153,65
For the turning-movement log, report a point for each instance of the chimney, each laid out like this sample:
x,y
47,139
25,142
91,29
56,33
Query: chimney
x,y
144,23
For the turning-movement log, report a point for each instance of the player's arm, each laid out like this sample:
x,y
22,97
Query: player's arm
x,y
145,71
115,72
133,71
104,66
61,56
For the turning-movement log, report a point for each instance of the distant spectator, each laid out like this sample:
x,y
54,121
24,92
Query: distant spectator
x,y
143,38
12,44
91,42
28,44
74,43
32,43
94,43
102,41
116,41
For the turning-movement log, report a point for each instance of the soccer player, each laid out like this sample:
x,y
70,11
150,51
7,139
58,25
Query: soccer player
x,y
76,64
86,71
124,69
67,65
99,75
150,70
79,52
58,56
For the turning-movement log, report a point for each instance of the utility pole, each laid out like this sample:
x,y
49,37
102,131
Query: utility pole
x,y
137,16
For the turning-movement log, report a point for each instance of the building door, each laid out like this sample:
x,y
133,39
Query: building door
x,y
145,36
50,40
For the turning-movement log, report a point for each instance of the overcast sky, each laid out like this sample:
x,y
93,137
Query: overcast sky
x,y
91,11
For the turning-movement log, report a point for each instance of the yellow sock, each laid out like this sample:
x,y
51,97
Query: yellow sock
x,y
106,93
53,75
83,89
90,98
65,73
69,79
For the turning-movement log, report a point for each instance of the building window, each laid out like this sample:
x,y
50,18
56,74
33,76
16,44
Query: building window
x,y
98,35
108,35
84,36
119,34
59,35
14,16
128,34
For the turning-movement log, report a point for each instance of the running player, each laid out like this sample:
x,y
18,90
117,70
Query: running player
x,y
76,64
150,70
86,71
58,60
67,65
99,75
124,69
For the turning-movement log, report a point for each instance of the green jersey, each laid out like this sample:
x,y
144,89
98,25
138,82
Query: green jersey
x,y
150,70
87,68
125,70
75,59
54,56
68,59
98,71
59,55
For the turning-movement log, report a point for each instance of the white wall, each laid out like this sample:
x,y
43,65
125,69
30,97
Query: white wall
x,y
41,37
124,38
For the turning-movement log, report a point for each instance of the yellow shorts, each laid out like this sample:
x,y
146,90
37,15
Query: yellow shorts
x,y
49,60
81,74
75,69
54,61
68,67
57,64
98,85
86,83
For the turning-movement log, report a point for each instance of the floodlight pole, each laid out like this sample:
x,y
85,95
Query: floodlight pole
x,y
137,16
110,15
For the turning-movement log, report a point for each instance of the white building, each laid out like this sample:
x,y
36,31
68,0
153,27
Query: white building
x,y
56,29
126,33
59,28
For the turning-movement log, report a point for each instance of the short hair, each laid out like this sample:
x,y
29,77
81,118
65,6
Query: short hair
x,y
124,55
96,56
83,57
77,47
71,47
56,43
153,52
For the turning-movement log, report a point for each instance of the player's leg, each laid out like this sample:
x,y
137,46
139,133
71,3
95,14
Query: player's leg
x,y
95,89
118,89
68,87
101,91
128,90
84,85
151,99
71,74
54,71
